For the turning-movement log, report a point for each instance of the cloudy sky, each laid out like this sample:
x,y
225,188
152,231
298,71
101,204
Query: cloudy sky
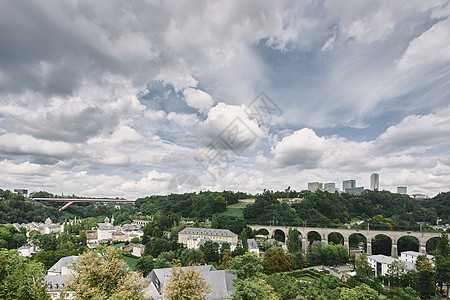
x,y
133,98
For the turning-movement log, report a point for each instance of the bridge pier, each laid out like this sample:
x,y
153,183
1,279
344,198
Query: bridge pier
x,y
369,247
304,245
423,248
394,252
324,239
346,243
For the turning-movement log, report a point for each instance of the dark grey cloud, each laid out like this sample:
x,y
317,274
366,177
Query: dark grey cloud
x,y
67,127
51,47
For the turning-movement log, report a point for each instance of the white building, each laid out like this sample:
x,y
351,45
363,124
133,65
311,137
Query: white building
x,y
191,237
28,250
138,250
58,275
380,263
253,246
411,256
314,186
375,181
402,190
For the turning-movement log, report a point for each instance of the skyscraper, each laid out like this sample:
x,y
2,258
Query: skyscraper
x,y
329,185
314,186
374,181
401,190
346,184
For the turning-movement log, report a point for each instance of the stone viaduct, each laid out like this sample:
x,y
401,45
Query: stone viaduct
x,y
422,237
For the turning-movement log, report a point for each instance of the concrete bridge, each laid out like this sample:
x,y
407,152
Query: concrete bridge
x,y
324,233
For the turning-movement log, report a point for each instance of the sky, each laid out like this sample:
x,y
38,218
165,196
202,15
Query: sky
x,y
137,98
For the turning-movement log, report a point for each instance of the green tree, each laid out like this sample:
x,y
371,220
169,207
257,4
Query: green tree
x,y
145,264
424,282
210,251
243,238
187,284
278,260
396,271
226,258
442,261
103,275
293,241
47,257
253,289
191,257
299,259
48,241
406,293
361,292
21,279
214,222
246,266
285,286
219,204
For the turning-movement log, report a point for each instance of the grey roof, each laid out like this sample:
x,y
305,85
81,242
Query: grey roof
x,y
208,231
118,233
382,259
252,244
221,281
56,282
63,262
27,246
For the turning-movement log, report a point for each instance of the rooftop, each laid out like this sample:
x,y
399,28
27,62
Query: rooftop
x,y
208,231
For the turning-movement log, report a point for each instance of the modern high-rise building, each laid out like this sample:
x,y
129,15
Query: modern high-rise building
x,y
401,190
329,185
314,186
374,181
346,184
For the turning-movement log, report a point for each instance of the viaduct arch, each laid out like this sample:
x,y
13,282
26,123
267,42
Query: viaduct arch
x,y
423,237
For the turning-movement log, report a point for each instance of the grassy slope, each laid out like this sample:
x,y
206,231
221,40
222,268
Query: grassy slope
x,y
235,210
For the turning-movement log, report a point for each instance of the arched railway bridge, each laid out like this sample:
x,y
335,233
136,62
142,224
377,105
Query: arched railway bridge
x,y
324,233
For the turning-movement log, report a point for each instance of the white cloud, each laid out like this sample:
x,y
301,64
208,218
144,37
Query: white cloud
x,y
15,144
428,131
303,148
430,49
198,99
229,127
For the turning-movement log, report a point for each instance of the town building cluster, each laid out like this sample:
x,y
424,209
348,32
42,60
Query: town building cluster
x,y
193,238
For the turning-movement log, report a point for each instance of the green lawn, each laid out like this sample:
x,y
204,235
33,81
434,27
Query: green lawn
x,y
131,262
235,210
117,246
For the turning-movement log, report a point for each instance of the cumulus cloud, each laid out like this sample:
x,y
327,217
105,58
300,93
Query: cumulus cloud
x,y
124,86
303,148
435,41
229,127
424,131
198,99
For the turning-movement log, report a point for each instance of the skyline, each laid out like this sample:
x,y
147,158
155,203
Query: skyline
x,y
122,99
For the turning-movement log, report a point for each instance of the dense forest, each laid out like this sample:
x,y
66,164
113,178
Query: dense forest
x,y
381,209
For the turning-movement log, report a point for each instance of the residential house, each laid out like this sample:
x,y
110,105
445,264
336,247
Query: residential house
x,y
411,256
58,275
221,282
380,263
28,250
253,246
